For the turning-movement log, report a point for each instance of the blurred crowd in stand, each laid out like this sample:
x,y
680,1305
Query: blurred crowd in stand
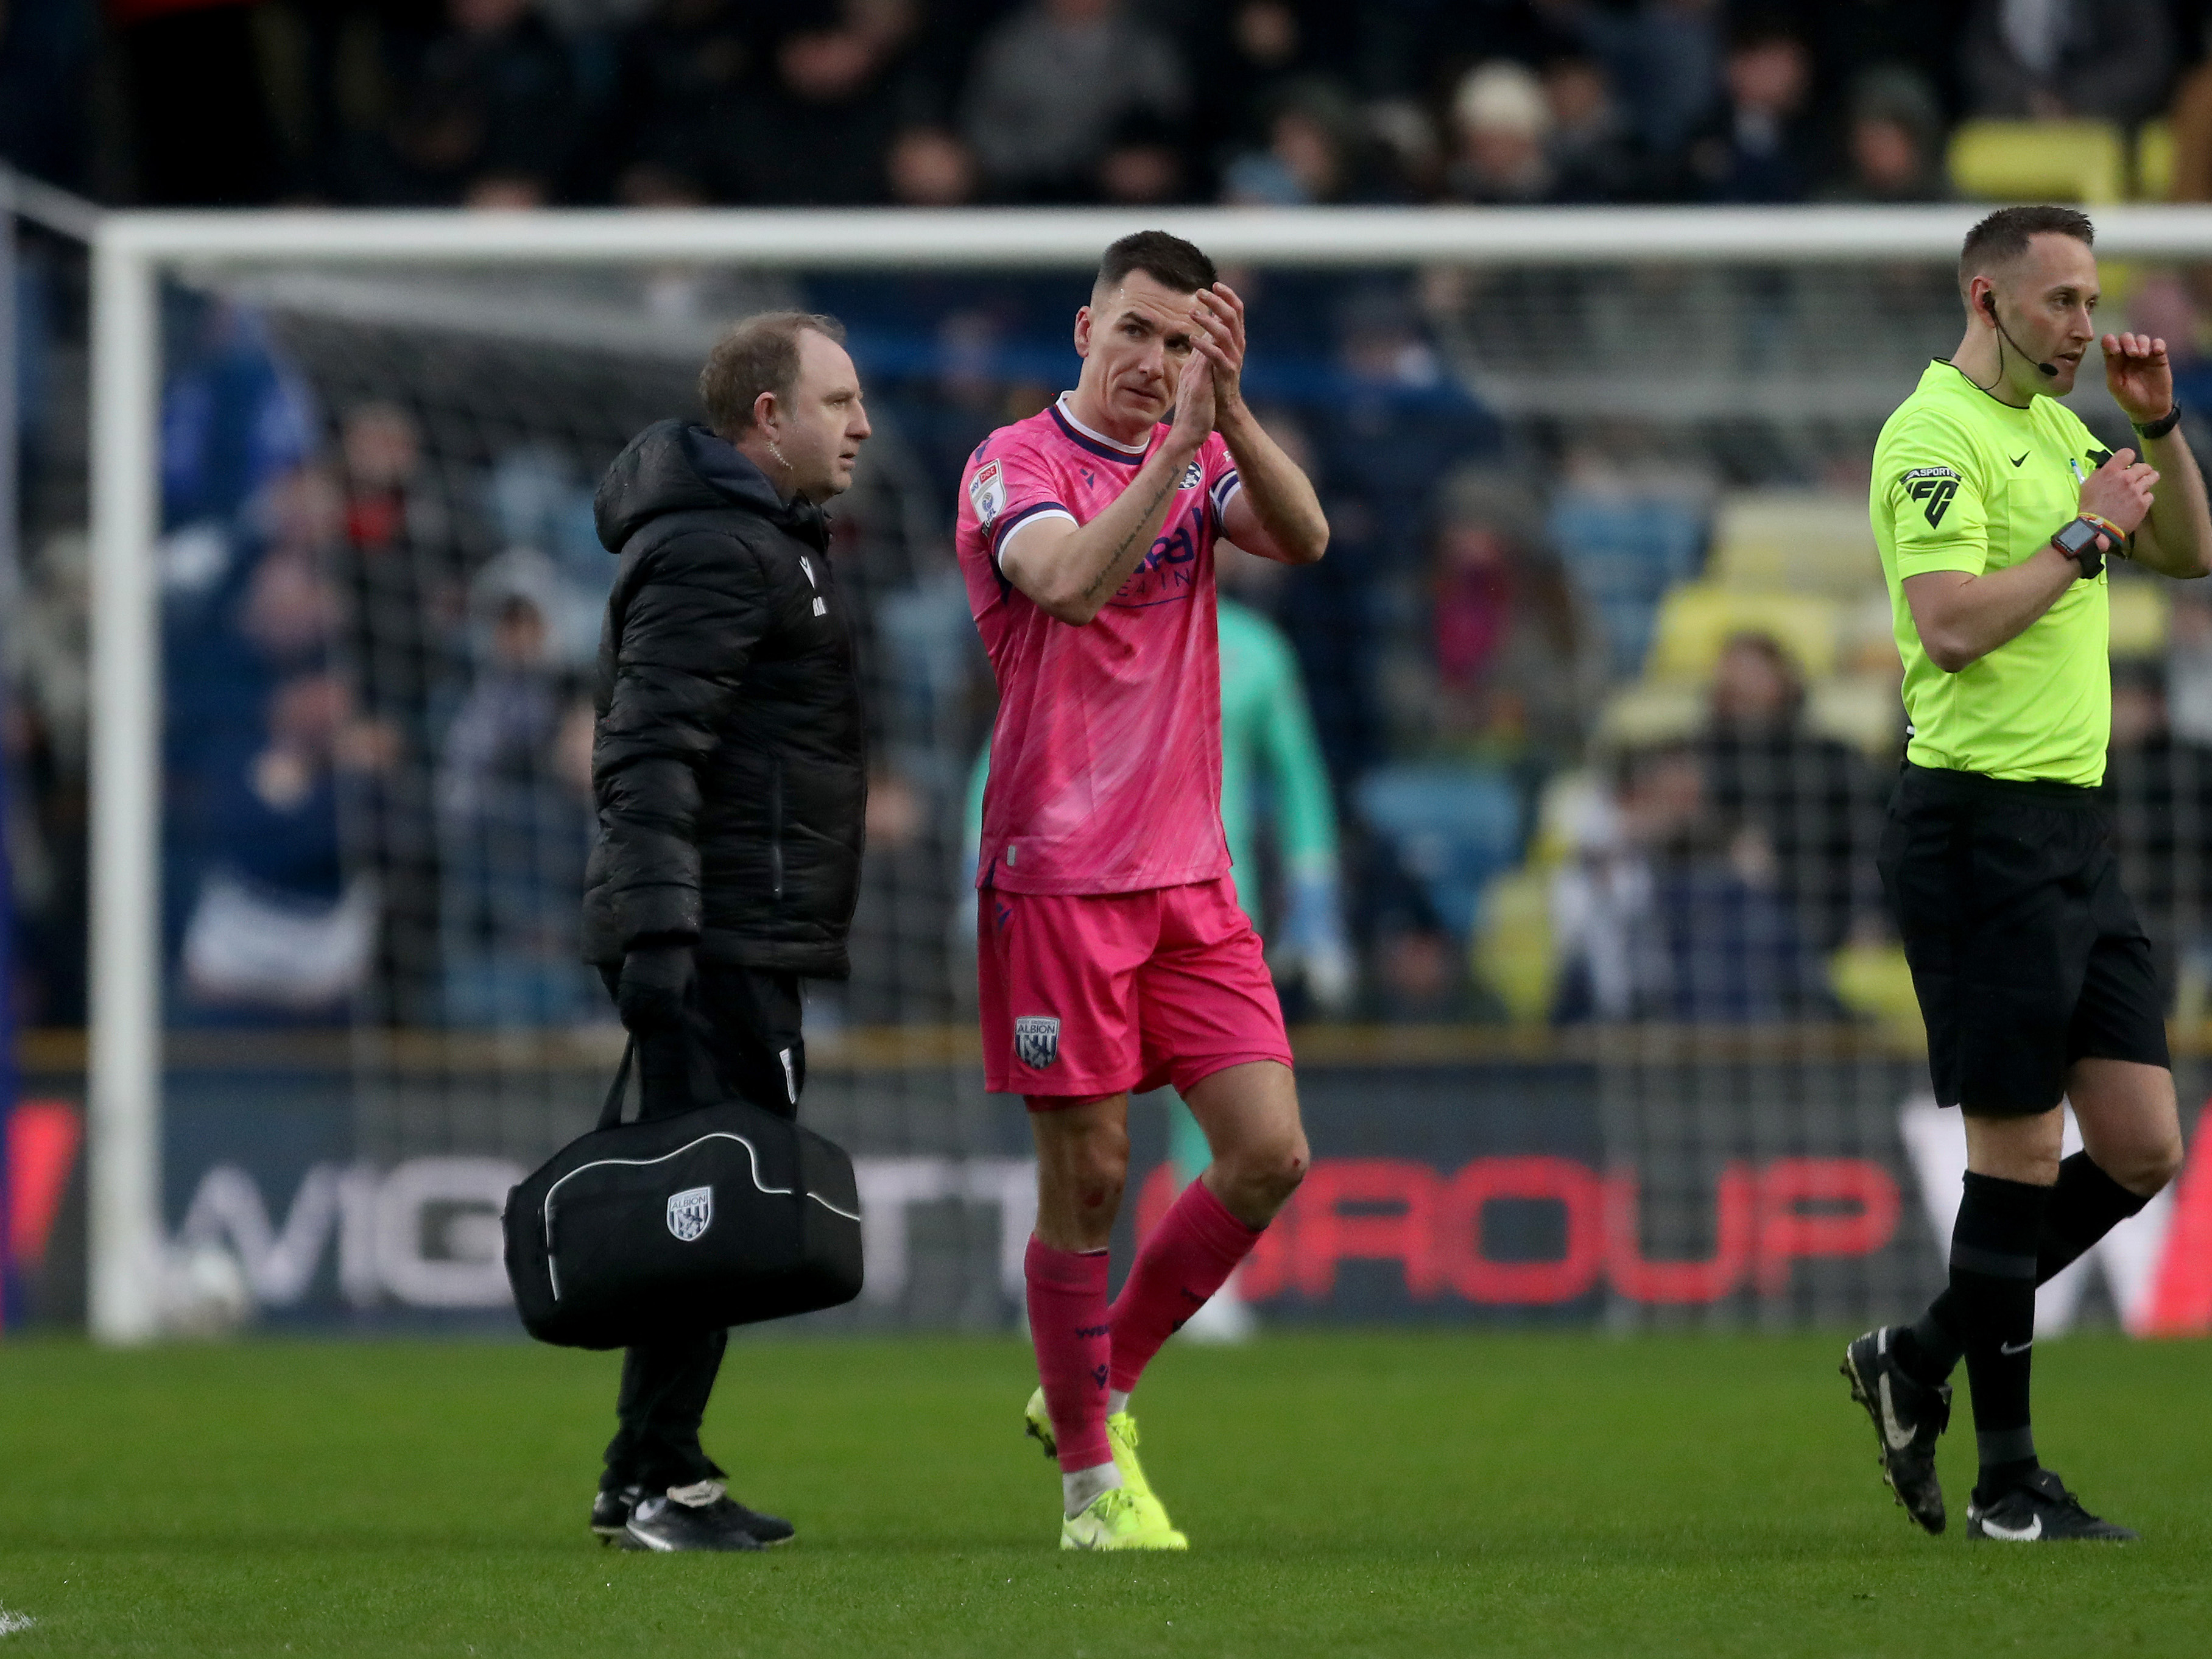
x,y
518,103
1582,720
378,720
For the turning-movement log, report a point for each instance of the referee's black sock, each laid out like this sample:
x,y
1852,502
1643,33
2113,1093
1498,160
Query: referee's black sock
x,y
2085,1205
1993,1287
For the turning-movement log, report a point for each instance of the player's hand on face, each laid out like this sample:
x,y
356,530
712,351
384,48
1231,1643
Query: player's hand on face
x,y
2139,375
1219,315
1195,401
2120,490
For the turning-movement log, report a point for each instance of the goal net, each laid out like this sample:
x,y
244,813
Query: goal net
x,y
1598,1013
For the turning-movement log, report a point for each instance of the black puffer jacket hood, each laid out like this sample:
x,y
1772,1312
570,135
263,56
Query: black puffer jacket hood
x,y
728,761
675,467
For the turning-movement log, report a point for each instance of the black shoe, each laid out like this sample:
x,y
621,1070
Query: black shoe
x,y
611,1512
2038,1509
700,1518
768,1528
1908,1418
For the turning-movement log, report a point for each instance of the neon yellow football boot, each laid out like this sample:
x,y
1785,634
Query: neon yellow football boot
x,y
1117,1520
1121,1436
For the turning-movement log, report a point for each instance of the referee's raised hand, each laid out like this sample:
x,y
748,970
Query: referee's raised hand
x,y
2120,490
2139,375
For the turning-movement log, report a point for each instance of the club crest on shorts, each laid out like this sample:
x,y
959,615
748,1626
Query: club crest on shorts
x,y
691,1212
1036,1040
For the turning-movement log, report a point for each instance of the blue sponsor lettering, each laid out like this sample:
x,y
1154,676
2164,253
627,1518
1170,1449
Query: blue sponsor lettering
x,y
1168,571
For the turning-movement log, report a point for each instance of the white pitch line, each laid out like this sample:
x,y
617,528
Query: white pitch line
x,y
12,1622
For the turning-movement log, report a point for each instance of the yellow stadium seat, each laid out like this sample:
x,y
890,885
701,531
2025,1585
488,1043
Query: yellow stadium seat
x,y
1866,636
1568,799
1864,710
2138,619
1798,540
1873,981
1697,620
2039,160
2154,161
1514,953
1647,713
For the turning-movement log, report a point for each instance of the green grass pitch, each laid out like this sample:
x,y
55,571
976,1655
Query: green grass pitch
x,y
1354,1493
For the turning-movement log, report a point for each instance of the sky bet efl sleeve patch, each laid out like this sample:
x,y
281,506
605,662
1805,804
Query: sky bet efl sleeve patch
x,y
987,490
1008,489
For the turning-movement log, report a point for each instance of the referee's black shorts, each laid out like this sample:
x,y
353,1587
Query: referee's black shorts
x,y
2026,955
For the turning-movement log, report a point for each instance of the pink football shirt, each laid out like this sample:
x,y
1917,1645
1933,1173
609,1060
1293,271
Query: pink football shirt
x,y
1106,758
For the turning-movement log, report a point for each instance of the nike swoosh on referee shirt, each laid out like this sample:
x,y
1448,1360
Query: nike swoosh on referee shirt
x,y
2009,1349
2017,459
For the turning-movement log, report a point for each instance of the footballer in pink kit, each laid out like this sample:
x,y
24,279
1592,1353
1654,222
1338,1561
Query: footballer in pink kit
x,y
1112,955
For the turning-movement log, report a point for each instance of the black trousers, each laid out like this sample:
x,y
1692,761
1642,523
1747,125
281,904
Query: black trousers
x,y
740,1036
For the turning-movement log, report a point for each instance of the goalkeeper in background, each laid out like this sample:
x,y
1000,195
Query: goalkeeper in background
x,y
1271,769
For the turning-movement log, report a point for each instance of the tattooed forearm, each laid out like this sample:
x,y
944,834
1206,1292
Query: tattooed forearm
x,y
1113,570
1072,572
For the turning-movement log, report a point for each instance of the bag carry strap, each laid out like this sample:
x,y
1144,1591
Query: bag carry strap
x,y
610,1114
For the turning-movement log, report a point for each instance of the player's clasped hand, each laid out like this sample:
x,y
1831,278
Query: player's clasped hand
x,y
1195,407
1219,314
2120,490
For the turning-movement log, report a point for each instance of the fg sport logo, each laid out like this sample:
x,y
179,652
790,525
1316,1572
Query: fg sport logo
x,y
1935,485
691,1212
1036,1040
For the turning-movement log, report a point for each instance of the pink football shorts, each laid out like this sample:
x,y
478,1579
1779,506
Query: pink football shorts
x,y
1089,994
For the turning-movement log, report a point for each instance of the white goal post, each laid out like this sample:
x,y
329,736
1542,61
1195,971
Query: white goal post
x,y
132,252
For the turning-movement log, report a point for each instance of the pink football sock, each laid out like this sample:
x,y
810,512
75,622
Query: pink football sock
x,y
1188,1257
1069,1328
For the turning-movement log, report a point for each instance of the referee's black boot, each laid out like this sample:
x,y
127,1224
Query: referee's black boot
x,y
1909,1418
610,1511
2038,1509
702,1516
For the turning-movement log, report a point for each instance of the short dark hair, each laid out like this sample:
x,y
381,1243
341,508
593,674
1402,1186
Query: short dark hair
x,y
1167,260
759,355
2004,235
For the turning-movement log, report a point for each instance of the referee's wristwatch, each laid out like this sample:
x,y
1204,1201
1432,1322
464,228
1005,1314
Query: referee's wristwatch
x,y
2083,541
2159,428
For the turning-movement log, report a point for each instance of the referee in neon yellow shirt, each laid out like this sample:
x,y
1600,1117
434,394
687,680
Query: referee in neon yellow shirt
x,y
1995,510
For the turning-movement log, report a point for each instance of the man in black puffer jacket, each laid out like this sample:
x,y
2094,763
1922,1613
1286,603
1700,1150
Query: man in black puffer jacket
x,y
729,768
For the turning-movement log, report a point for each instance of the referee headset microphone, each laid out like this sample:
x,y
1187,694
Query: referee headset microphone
x,y
1990,305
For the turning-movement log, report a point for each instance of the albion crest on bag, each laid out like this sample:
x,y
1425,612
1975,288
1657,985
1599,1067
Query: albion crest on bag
x,y
691,1212
1036,1040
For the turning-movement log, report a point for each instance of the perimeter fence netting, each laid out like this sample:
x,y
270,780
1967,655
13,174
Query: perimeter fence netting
x,y
1599,1014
